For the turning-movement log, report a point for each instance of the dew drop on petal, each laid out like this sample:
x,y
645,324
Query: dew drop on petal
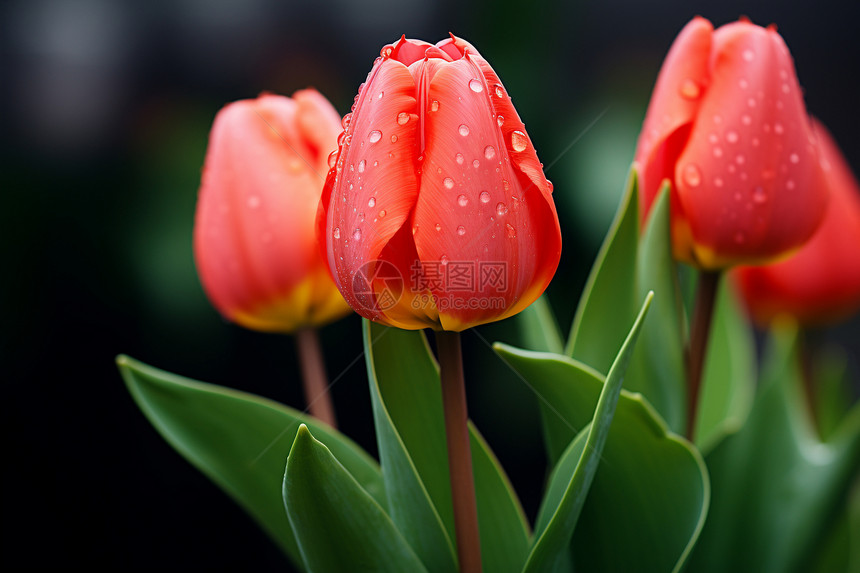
x,y
499,91
461,230
740,159
751,102
438,227
414,229
690,89
253,201
336,233
371,202
393,139
501,208
332,159
448,183
785,88
789,184
374,136
476,164
476,86
748,55
511,231
443,259
464,129
519,141
746,120
382,214
500,119
743,84
459,158
794,158
485,197
434,105
718,182
732,137
356,234
718,152
402,118
692,175
759,195
489,152
361,166
778,129
462,200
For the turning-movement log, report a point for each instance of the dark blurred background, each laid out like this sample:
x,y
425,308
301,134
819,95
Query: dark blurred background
x,y
106,110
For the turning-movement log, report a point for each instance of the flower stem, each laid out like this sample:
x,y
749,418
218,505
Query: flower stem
x,y
703,312
459,451
314,379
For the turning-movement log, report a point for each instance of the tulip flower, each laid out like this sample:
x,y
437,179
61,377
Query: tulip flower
x,y
255,235
436,211
821,282
728,127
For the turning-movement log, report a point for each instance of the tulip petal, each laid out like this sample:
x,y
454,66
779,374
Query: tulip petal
x,y
750,173
257,199
674,104
487,231
375,177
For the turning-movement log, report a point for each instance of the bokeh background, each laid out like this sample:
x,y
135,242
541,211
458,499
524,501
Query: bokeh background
x,y
106,106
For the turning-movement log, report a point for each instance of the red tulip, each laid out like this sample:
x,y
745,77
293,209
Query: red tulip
x,y
436,211
727,126
821,283
255,235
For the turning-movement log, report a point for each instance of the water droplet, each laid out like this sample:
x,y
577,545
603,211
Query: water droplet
x,y
347,119
718,152
740,159
748,55
443,259
718,119
462,200
336,233
489,152
759,195
692,175
794,158
499,91
393,139
789,184
448,183
459,158
434,105
746,120
485,197
461,230
376,163
690,89
743,84
511,231
386,51
332,159
713,138
718,182
731,168
253,201
476,164
361,216
356,234
506,185
778,129
371,202
414,229
476,86
382,93
785,88
402,118
464,129
361,165
438,226
732,137
751,102
519,141
374,136
382,214
501,209
755,141
500,119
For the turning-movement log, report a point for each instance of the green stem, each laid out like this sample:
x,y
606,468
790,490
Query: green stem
x,y
314,379
703,312
459,451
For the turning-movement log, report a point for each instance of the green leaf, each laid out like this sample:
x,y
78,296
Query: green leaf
x,y
832,390
728,380
238,440
407,403
778,486
558,516
657,369
608,302
539,328
338,525
650,495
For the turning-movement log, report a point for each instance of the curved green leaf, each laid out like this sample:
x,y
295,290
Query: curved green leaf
x,y
338,525
657,369
728,380
553,538
650,495
778,486
407,403
238,440
608,301
539,328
